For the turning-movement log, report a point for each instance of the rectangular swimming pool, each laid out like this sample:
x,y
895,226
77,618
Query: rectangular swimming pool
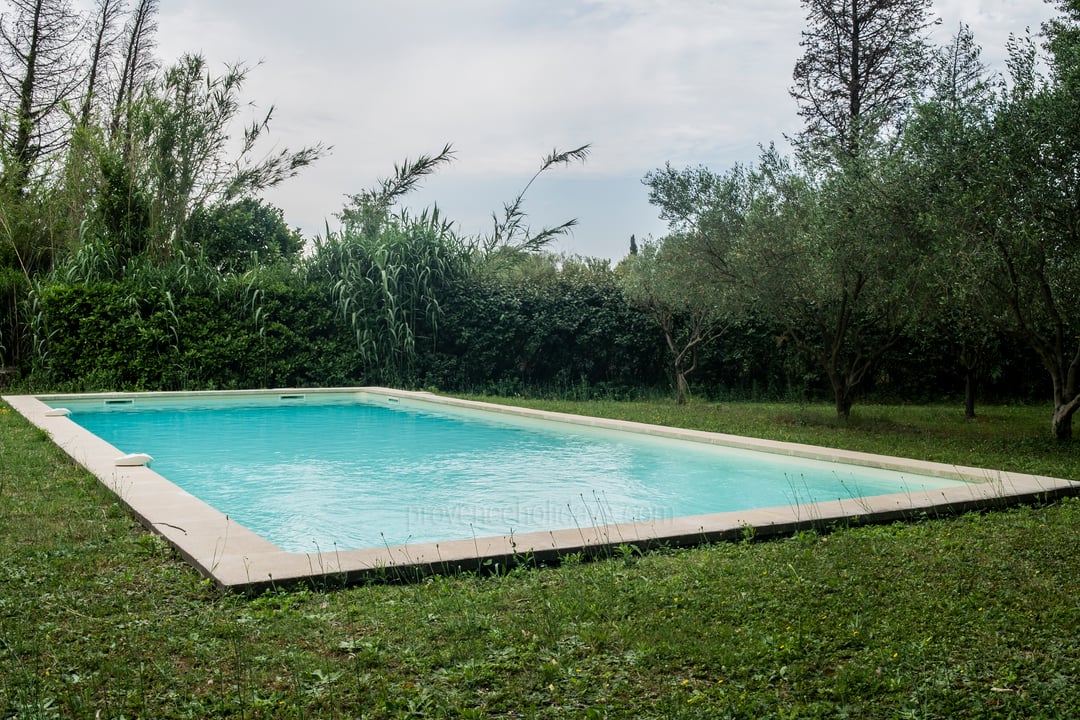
x,y
348,472
271,486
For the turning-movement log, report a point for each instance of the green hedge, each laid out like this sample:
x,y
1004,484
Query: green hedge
x,y
117,336
567,333
564,334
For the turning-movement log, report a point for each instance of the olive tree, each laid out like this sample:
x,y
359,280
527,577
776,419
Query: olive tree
x,y
667,281
838,263
998,187
1024,213
692,283
942,151
839,255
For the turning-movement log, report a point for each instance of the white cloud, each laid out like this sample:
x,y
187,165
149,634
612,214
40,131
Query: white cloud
x,y
644,81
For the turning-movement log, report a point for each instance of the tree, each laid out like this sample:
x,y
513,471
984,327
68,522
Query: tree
x,y
837,264
835,261
942,148
39,73
235,235
120,217
1001,192
691,310
696,285
863,61
710,209
1023,211
104,38
138,64
832,261
181,138
82,175
57,160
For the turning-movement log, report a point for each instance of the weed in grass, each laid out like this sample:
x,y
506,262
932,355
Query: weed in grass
x,y
627,552
748,532
970,616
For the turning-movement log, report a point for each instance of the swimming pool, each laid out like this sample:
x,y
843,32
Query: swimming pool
x,y
365,479
348,472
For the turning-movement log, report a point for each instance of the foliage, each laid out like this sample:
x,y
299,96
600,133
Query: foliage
x,y
184,326
122,214
39,74
24,243
888,272
965,220
690,308
180,131
390,273
509,233
938,148
558,325
387,286
832,261
369,211
1033,230
387,272
1002,188
847,276
242,234
751,362
562,327
13,286
699,287
695,200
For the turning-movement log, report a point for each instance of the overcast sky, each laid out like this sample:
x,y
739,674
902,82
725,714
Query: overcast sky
x,y
507,81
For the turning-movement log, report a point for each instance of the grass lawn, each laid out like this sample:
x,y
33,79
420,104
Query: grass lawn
x,y
974,616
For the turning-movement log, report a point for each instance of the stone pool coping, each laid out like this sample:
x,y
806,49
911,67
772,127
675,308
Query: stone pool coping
x,y
234,557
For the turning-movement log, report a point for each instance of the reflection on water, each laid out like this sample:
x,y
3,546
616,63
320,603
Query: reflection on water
x,y
318,477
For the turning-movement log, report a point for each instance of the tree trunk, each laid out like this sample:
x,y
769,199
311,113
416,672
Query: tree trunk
x,y
681,387
842,393
1065,375
679,364
22,152
843,405
1061,424
970,381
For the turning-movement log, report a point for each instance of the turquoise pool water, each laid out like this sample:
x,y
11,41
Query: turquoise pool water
x,y
313,474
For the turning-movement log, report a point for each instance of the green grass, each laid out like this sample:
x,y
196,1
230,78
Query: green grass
x,y
973,616
1013,438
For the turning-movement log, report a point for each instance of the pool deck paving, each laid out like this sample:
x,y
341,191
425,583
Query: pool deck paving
x,y
235,557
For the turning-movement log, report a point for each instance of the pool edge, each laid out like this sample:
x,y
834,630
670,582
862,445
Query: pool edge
x,y
236,558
